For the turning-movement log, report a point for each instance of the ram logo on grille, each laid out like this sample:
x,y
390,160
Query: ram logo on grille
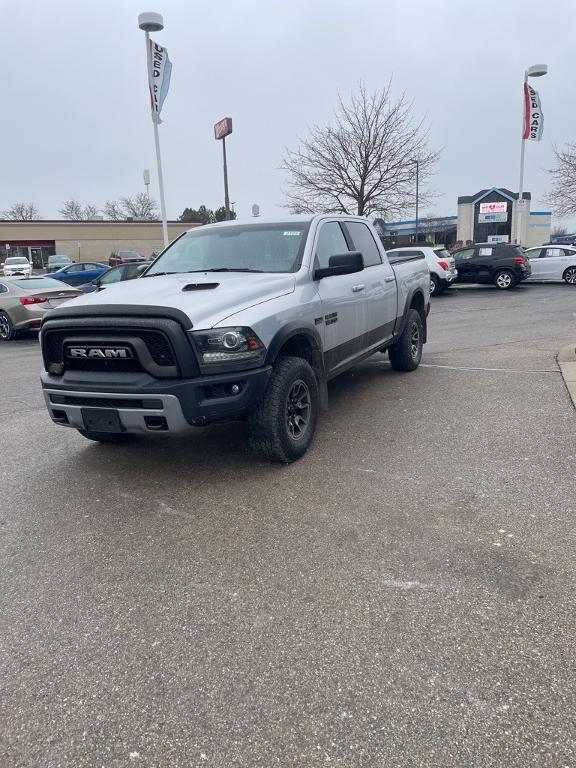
x,y
100,353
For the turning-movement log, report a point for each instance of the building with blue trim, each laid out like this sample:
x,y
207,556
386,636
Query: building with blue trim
x,y
487,216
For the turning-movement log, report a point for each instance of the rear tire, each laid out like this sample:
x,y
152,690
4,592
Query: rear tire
x,y
106,437
435,288
7,330
504,280
406,353
569,276
282,426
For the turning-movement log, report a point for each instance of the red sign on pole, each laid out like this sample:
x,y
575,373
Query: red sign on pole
x,y
223,128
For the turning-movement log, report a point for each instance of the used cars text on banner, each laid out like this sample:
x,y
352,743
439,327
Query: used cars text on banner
x,y
159,71
533,115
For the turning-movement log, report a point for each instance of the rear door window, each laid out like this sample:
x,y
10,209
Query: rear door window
x,y
364,242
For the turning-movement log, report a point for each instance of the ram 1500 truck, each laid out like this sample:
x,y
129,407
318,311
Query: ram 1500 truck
x,y
235,320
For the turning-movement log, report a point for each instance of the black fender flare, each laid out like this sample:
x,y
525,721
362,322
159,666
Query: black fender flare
x,y
401,322
289,331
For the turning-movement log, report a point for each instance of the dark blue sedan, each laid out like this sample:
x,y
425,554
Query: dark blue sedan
x,y
79,273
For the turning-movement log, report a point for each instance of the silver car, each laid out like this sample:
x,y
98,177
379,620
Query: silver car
x,y
552,262
25,301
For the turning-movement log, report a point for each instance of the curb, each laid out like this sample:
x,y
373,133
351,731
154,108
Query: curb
x,y
567,363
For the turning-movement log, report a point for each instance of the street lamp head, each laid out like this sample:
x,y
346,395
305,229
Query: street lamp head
x,y
150,22
537,70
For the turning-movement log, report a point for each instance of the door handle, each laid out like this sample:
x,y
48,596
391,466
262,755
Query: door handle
x,y
389,279
357,288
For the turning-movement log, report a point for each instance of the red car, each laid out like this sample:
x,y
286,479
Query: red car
x,y
124,257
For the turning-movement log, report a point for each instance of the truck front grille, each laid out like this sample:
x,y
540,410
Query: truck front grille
x,y
55,343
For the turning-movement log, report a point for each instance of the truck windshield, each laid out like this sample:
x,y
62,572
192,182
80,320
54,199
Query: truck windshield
x,y
242,247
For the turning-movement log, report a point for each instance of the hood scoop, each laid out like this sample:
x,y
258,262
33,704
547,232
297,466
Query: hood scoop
x,y
200,286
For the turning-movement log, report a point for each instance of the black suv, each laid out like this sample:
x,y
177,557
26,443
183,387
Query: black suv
x,y
499,264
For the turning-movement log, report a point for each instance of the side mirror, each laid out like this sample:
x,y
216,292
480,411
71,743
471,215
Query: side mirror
x,y
341,264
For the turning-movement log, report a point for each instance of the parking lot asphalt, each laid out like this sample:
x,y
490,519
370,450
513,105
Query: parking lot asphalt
x,y
402,596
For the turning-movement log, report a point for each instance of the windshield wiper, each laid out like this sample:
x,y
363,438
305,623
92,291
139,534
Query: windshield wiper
x,y
155,274
226,269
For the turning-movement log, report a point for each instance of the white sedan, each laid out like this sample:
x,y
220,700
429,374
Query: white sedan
x,y
552,262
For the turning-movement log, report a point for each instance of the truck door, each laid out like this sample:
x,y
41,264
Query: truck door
x,y
379,284
344,318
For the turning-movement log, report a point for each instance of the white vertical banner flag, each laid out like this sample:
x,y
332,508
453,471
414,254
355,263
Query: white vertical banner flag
x,y
533,115
159,71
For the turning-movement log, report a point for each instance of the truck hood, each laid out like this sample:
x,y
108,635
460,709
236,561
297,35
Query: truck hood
x,y
207,298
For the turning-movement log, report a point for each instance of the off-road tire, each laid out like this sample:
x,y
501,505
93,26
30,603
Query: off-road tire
x,y
406,353
270,424
504,280
106,437
7,330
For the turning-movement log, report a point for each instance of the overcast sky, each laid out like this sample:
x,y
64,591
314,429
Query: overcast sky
x,y
76,120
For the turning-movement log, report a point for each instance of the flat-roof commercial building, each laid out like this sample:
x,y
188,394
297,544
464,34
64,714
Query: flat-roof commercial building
x,y
83,240
489,216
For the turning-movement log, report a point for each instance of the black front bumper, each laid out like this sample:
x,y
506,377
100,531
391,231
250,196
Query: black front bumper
x,y
142,400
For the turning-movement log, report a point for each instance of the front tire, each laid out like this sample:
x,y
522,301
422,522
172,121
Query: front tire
x,y
504,280
7,330
406,353
569,276
106,437
282,426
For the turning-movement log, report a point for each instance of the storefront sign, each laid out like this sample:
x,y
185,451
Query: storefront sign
x,y
493,207
498,238
485,217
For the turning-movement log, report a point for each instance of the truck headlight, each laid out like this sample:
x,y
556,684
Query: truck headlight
x,y
225,345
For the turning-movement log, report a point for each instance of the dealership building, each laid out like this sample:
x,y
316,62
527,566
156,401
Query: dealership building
x,y
83,240
489,216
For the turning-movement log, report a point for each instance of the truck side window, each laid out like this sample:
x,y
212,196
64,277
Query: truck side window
x,y
364,242
331,242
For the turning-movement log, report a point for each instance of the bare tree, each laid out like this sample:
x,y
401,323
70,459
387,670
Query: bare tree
x,y
559,231
365,162
139,206
562,196
113,211
73,210
21,212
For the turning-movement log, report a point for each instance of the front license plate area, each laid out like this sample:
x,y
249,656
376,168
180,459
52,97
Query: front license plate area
x,y
101,420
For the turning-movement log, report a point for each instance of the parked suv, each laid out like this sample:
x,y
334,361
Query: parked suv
x,y
499,264
57,261
124,257
440,263
17,266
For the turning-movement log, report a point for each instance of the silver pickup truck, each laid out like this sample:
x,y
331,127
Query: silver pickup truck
x,y
235,320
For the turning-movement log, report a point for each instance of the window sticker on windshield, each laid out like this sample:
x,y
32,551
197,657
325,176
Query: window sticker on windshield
x,y
485,251
291,233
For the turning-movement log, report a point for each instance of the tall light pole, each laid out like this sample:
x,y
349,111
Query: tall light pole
x,y
153,22
536,70
417,164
